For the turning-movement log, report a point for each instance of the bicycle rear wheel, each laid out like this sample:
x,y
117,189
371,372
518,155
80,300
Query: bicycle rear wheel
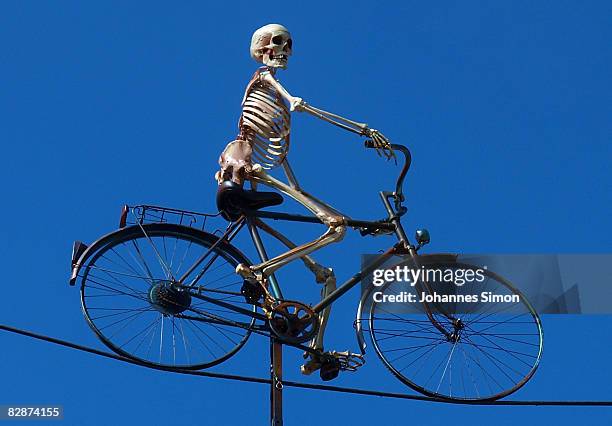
x,y
130,300
492,349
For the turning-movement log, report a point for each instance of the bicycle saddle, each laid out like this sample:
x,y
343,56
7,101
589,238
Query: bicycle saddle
x,y
232,200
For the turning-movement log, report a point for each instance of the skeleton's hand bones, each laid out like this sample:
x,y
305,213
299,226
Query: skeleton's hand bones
x,y
381,143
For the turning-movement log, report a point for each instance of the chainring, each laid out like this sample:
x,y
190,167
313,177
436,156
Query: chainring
x,y
293,322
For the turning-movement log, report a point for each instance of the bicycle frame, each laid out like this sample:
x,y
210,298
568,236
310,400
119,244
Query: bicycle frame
x,y
166,292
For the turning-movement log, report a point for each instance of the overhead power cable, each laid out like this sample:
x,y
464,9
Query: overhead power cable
x,y
287,383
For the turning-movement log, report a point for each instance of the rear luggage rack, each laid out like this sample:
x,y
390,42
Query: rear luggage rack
x,y
141,214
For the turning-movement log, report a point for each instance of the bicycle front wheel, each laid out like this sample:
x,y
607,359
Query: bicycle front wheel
x,y
492,347
131,301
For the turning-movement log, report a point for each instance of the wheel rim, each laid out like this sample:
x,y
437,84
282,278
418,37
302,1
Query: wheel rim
x,y
491,352
131,302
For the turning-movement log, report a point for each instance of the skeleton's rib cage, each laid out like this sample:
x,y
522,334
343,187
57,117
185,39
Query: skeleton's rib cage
x,y
265,123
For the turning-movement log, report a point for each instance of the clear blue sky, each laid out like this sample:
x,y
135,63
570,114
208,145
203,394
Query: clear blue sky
x,y
506,106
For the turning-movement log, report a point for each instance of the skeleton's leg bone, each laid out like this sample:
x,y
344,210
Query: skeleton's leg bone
x,y
320,272
328,288
322,203
334,233
308,261
314,363
326,213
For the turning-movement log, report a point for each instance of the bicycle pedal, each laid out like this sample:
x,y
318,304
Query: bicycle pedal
x,y
348,361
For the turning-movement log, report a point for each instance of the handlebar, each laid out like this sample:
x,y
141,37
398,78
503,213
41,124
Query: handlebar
x,y
398,194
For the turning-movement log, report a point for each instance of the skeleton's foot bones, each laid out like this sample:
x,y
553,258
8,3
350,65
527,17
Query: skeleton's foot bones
x,y
312,364
246,272
331,363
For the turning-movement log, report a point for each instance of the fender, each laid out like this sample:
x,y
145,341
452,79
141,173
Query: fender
x,y
81,252
364,304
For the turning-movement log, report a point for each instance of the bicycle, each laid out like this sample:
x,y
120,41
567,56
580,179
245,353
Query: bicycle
x,y
163,291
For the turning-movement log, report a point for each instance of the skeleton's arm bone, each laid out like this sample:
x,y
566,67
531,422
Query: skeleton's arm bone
x,y
299,105
381,143
336,120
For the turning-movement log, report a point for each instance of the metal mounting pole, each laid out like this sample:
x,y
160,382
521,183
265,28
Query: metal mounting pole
x,y
276,389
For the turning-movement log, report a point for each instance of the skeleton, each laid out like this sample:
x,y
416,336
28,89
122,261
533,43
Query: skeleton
x,y
263,144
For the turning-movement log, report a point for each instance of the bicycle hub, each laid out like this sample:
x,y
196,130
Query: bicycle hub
x,y
167,299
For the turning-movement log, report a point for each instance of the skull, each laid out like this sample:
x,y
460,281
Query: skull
x,y
271,45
